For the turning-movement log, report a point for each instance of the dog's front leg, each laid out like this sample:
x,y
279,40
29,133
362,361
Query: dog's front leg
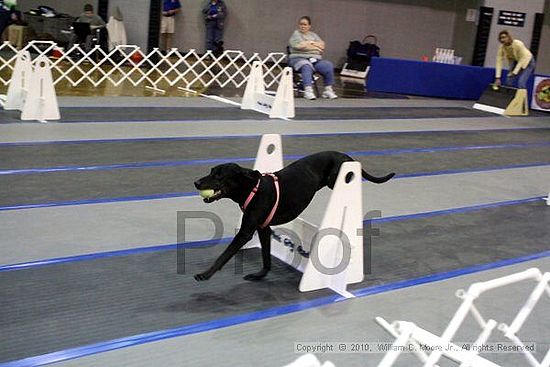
x,y
242,237
265,241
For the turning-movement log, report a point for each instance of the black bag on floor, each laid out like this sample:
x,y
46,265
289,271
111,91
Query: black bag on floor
x,y
362,52
359,57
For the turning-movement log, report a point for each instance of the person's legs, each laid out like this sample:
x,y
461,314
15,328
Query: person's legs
x,y
218,41
162,44
525,74
88,42
210,35
307,75
103,39
163,32
168,41
511,80
218,35
301,65
306,71
326,69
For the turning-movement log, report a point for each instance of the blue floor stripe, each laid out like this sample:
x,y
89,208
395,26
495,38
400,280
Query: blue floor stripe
x,y
99,201
131,140
226,240
256,136
108,254
471,170
214,161
193,194
133,165
448,275
460,210
135,340
83,351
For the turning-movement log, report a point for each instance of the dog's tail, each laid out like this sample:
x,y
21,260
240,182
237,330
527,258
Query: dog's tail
x,y
377,180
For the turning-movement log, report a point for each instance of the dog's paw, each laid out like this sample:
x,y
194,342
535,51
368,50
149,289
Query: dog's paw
x,y
256,276
201,277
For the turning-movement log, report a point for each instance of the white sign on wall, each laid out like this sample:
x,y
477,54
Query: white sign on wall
x,y
471,15
511,18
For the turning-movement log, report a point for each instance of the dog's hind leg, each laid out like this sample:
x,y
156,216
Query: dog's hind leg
x,y
265,242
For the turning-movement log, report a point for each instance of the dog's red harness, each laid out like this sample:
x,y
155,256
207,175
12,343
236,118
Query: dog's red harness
x,y
253,193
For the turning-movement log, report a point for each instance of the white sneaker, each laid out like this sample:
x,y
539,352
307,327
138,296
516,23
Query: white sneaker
x,y
329,93
308,93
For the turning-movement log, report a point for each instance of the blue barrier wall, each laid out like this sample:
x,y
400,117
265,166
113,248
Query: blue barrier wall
x,y
429,79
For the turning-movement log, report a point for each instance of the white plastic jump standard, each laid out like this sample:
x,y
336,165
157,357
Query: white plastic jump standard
x,y
255,98
309,360
337,246
406,334
475,291
41,101
511,331
329,255
20,82
409,333
269,157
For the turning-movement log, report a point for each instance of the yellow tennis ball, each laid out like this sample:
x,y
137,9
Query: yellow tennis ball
x,y
206,193
495,87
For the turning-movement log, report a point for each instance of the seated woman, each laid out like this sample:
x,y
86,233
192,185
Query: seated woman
x,y
306,49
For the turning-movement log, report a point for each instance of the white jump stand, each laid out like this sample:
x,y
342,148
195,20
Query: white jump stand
x,y
409,334
329,255
255,98
41,101
20,82
309,360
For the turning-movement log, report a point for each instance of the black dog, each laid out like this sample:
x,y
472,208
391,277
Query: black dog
x,y
298,184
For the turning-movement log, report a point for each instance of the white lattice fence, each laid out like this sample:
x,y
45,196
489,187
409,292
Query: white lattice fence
x,y
189,70
409,336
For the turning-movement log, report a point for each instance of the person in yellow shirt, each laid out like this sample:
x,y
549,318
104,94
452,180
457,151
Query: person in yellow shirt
x,y
520,59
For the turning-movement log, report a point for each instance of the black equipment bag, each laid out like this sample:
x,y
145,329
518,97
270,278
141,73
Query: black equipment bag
x,y
362,52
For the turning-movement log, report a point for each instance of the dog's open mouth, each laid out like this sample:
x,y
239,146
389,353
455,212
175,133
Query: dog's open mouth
x,y
215,196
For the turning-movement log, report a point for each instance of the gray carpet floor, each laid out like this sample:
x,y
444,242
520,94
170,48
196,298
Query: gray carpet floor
x,y
107,114
52,308
85,185
62,306
151,150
